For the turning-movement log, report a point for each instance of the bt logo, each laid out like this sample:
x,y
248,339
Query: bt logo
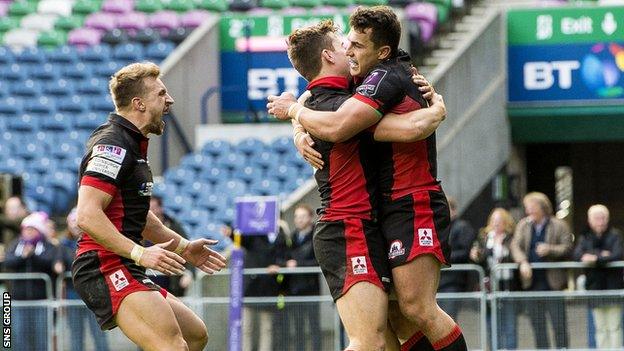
x,y
541,75
262,82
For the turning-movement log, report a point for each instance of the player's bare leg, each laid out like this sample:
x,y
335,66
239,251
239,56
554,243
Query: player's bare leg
x,y
418,301
363,311
148,320
193,328
405,331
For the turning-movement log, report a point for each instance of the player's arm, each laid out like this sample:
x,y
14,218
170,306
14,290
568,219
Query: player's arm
x,y
91,218
412,126
336,126
196,252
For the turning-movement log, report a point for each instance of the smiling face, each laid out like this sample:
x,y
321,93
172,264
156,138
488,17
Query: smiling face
x,y
362,53
157,103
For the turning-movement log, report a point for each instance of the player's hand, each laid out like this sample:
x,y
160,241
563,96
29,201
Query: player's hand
x,y
203,257
164,261
425,88
304,144
278,105
438,101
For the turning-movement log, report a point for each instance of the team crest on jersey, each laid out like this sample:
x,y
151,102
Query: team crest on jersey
x,y
425,236
146,189
358,264
111,152
371,83
119,280
396,249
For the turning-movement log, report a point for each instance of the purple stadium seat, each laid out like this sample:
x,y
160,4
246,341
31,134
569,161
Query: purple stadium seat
x,y
324,10
118,6
294,11
84,37
4,7
132,21
101,20
164,21
426,15
193,19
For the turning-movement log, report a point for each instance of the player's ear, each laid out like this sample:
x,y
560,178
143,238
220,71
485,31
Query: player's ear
x,y
383,52
327,55
137,104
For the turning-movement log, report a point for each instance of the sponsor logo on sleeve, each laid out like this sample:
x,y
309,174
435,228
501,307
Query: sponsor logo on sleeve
x,y
358,264
111,152
425,236
371,83
103,166
396,249
119,280
146,189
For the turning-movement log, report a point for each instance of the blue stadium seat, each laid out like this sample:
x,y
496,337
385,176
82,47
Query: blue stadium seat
x,y
72,164
159,50
232,187
285,172
266,160
23,123
46,71
224,215
92,86
31,55
4,89
196,161
41,106
65,150
265,187
6,56
43,165
212,230
215,148
282,144
129,52
76,71
15,138
193,216
178,203
27,88
251,146
102,103
59,121
211,201
89,121
12,72
213,174
179,176
12,165
193,189
65,54
248,174
294,159
165,190
59,87
96,53
64,180
11,106
40,193
231,160
79,136
71,104
107,69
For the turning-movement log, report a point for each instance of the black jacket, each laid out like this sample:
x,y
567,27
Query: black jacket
x,y
461,237
41,261
303,253
261,253
601,278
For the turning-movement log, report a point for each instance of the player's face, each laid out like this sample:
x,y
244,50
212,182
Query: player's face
x,y
158,101
363,55
341,61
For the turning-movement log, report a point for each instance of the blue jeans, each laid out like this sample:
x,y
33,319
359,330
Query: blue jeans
x,y
30,328
506,326
77,318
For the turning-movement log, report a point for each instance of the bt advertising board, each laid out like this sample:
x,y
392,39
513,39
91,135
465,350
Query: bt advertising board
x,y
568,55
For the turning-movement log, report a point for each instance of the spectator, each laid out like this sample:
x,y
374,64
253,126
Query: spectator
x,y
30,253
176,284
13,213
541,237
491,248
301,254
77,316
461,237
599,245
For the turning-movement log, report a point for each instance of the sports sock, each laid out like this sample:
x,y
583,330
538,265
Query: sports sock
x,y
453,342
417,342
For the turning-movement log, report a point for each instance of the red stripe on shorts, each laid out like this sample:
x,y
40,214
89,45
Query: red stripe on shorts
x,y
425,234
359,267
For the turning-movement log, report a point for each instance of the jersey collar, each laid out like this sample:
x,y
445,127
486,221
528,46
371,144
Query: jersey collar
x,y
329,82
120,120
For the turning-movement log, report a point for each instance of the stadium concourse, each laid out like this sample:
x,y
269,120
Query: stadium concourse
x,y
220,60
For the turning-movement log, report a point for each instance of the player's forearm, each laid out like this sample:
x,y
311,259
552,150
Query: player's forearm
x,y
324,125
409,127
156,232
94,222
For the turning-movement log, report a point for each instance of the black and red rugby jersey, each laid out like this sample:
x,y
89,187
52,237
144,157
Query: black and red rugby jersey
x,y
403,167
116,163
346,183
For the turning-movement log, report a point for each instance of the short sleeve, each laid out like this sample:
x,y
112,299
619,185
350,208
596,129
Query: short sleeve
x,y
380,90
105,167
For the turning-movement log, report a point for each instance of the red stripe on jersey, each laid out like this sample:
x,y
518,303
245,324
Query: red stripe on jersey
x,y
143,145
407,105
99,184
349,196
115,213
370,102
329,82
86,243
425,235
358,263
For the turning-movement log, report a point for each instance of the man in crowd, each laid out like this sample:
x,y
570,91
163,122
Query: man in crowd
x,y
113,214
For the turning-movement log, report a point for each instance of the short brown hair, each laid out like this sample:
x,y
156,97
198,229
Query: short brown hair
x,y
305,46
127,83
383,22
541,199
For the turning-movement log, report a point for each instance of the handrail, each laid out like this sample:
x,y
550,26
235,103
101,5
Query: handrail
x,y
31,276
